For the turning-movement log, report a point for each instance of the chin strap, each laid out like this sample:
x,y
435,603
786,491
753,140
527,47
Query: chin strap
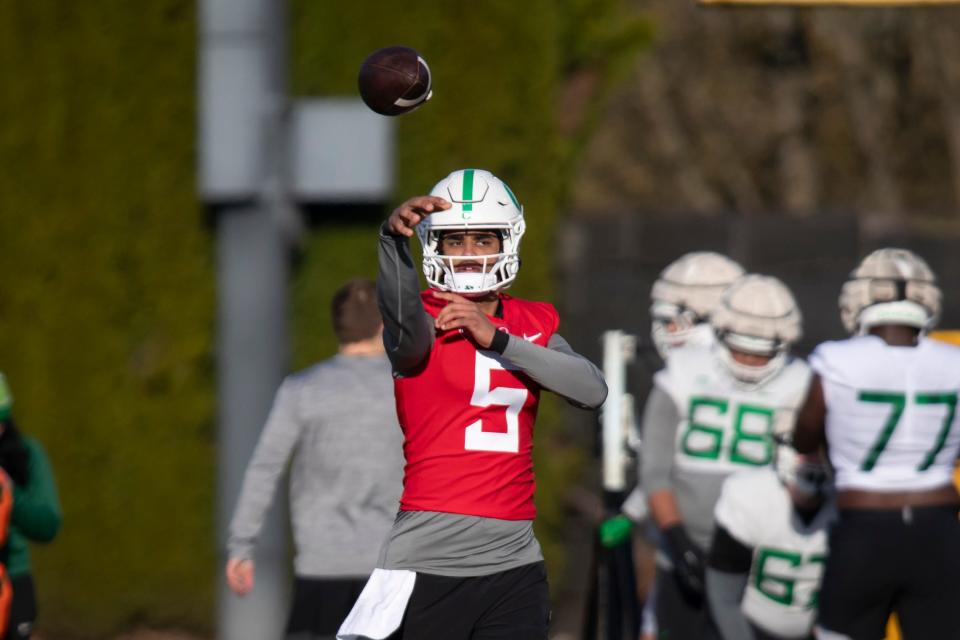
x,y
471,282
901,312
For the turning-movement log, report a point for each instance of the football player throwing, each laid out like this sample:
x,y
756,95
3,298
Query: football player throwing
x,y
469,364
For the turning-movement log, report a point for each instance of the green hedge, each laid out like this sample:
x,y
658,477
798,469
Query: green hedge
x,y
107,289
106,304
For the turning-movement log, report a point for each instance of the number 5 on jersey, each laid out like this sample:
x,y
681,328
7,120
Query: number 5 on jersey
x,y
512,398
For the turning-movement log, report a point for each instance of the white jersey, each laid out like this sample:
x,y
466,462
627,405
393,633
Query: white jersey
x,y
891,420
725,426
788,555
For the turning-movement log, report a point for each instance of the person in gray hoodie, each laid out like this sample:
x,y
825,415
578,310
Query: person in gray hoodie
x,y
338,422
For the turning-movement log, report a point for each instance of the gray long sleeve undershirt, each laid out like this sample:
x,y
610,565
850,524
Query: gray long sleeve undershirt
x,y
408,333
725,592
696,493
560,369
659,432
407,327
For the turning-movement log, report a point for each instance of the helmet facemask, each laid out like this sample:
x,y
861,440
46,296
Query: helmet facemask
x,y
751,375
497,271
673,326
481,202
757,316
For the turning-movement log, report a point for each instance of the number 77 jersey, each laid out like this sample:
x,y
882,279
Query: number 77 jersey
x,y
891,412
467,417
725,426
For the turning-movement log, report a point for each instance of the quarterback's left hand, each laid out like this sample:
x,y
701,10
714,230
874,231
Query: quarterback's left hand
x,y
461,313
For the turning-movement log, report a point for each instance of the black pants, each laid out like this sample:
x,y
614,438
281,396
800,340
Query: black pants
x,y
761,634
509,605
320,606
893,560
23,608
680,616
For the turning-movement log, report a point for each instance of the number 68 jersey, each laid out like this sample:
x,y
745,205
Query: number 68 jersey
x,y
891,420
467,417
725,426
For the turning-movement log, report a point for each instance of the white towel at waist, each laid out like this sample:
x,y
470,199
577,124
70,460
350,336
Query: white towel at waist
x,y
379,610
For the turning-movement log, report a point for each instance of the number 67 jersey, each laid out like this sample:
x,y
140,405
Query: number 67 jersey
x,y
467,417
891,412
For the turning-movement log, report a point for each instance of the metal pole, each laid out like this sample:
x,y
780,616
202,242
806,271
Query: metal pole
x,y
252,359
242,93
618,350
617,590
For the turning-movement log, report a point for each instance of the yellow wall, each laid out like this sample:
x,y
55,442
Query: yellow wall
x,y
947,335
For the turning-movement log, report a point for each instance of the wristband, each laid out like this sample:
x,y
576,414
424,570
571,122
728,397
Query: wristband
x,y
500,341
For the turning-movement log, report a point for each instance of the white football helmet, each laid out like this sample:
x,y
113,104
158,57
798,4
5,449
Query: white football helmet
x,y
684,295
481,201
756,315
890,286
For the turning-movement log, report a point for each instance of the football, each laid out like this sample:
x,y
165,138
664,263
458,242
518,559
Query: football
x,y
394,80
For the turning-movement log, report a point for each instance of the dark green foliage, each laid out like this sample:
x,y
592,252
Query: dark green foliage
x,y
106,304
107,296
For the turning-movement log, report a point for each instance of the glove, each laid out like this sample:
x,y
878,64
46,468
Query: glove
x,y
615,531
689,567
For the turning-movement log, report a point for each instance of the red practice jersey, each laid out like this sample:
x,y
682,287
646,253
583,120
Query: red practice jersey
x,y
467,417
